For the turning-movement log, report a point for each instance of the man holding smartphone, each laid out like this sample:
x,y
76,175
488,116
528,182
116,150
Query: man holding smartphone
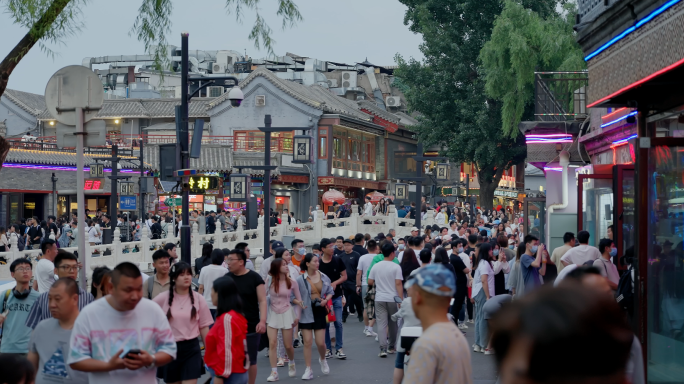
x,y
533,263
123,337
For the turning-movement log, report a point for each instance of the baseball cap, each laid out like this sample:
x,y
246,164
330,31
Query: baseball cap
x,y
435,279
414,229
278,244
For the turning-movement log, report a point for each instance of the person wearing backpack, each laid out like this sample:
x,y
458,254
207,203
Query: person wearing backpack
x,y
160,282
605,265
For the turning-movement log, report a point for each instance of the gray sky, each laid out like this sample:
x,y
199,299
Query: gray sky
x,y
341,30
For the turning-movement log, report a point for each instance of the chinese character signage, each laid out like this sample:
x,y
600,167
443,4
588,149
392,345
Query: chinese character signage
x,y
93,185
199,184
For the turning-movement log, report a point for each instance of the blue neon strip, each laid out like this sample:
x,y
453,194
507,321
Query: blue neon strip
x,y
633,28
618,120
625,139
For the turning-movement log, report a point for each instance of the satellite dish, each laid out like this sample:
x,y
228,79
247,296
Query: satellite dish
x,y
72,87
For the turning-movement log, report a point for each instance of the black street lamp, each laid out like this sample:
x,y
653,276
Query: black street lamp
x,y
302,154
400,191
240,185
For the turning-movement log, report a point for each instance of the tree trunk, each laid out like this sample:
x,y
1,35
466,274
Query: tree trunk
x,y
487,188
11,61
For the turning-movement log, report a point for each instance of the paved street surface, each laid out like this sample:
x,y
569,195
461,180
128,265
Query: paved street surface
x,y
363,364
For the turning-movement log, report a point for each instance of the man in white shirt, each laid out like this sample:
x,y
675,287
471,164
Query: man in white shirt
x,y
362,284
605,266
45,269
581,254
314,213
210,273
123,321
453,228
387,278
367,210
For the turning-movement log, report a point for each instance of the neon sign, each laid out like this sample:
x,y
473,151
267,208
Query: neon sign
x,y
92,184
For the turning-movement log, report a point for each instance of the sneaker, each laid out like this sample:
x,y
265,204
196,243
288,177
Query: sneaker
x,y
281,363
391,351
340,354
328,354
286,359
462,326
273,376
296,344
367,333
471,321
308,374
476,348
488,351
292,371
383,353
324,366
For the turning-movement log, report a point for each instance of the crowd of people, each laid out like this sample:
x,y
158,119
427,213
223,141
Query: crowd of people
x,y
478,270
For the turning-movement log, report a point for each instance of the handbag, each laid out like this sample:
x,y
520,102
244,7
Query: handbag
x,y
330,317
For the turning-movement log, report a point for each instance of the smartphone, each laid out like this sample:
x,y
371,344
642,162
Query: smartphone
x,y
129,352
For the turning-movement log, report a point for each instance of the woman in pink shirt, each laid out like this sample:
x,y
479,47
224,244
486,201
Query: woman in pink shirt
x,y
189,317
281,315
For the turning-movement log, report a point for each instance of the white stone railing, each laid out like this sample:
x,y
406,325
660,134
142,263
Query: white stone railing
x,y
140,252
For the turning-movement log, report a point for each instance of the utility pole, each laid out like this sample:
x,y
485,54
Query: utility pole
x,y
184,151
113,198
140,184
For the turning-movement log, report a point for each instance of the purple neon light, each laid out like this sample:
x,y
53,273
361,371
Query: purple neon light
x,y
549,141
549,135
58,168
553,169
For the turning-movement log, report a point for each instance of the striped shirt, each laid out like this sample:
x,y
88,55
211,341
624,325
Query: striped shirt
x,y
41,308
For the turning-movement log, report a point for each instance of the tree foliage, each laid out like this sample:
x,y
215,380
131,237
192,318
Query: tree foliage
x,y
447,88
51,21
521,43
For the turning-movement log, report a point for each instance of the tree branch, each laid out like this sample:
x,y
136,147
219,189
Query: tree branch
x,y
37,31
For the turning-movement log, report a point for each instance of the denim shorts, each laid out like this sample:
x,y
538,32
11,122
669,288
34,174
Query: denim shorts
x,y
399,362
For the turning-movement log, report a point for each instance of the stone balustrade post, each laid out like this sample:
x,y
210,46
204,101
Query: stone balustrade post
x,y
195,249
52,235
391,218
354,219
145,245
14,248
116,246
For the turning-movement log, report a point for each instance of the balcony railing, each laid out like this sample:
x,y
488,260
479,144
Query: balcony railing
x,y
127,141
560,96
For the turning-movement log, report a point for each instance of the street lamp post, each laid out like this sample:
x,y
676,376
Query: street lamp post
x,y
235,96
302,155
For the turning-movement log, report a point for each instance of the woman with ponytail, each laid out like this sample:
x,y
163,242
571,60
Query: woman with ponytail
x,y
190,318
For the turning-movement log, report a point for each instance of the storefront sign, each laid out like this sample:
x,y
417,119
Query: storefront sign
x,y
199,184
93,185
211,192
346,182
294,179
503,193
29,205
174,202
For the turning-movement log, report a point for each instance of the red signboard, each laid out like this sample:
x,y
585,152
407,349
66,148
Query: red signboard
x,y
93,184
294,179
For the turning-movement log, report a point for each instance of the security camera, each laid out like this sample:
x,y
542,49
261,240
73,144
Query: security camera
x,y
235,96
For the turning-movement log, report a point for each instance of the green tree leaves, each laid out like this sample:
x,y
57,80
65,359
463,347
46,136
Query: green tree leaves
x,y
522,42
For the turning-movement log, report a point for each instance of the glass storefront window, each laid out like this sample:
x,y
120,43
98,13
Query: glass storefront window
x,y
665,292
597,207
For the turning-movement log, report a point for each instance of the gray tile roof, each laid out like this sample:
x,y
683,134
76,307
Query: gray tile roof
x,y
314,96
144,108
30,102
58,157
212,158
377,111
406,120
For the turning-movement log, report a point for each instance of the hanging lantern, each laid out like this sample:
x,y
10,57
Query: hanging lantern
x,y
239,187
401,191
442,171
97,170
302,150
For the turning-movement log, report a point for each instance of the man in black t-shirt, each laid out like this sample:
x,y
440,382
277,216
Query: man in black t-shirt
x,y
339,246
462,271
358,245
335,269
252,291
52,226
350,258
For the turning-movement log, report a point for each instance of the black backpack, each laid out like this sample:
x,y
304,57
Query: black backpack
x,y
624,294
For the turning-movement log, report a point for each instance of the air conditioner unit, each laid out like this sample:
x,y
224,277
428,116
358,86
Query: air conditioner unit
x,y
215,91
349,79
332,83
218,68
260,100
393,101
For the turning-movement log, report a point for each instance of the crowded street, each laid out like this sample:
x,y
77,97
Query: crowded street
x,y
386,191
